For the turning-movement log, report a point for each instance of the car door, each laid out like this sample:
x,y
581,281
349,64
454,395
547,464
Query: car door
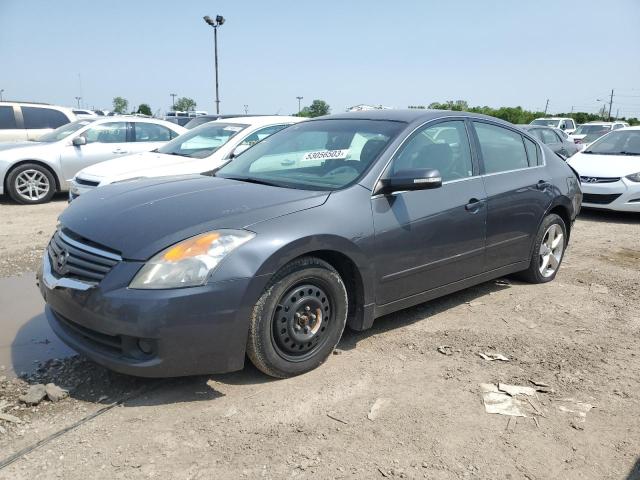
x,y
105,141
148,136
518,189
428,238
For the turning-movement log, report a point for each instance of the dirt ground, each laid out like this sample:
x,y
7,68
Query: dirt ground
x,y
388,404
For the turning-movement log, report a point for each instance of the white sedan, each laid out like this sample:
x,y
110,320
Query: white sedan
x,y
33,171
200,150
609,170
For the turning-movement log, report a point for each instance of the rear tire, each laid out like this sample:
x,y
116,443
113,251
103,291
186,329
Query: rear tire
x,y
298,320
548,251
31,184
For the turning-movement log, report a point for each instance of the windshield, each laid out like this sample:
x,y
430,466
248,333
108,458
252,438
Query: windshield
x,y
592,129
619,142
203,140
316,155
547,122
63,131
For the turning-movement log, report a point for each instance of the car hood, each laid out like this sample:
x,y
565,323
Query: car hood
x,y
140,219
146,164
593,165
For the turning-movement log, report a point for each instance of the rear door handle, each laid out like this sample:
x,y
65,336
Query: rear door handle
x,y
474,205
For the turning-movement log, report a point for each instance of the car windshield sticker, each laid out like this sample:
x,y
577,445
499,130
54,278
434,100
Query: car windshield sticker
x,y
326,155
231,128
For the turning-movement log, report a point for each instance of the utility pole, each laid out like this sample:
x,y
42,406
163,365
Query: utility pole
x,y
173,101
546,107
299,99
617,112
78,100
1,92
572,109
219,20
610,104
246,109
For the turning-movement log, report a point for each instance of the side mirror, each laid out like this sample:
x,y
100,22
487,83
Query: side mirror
x,y
238,150
79,141
408,180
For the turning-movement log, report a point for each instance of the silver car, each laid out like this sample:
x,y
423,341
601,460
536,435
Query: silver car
x,y
32,172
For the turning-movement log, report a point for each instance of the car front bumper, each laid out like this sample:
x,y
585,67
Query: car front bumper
x,y
623,195
151,333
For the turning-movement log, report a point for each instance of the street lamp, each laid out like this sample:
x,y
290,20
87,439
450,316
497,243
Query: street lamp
x,y
219,21
299,98
173,101
78,100
246,109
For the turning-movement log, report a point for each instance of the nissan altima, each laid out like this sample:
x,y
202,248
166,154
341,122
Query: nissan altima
x,y
327,223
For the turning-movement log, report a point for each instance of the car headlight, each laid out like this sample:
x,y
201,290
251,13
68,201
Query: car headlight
x,y
634,177
189,263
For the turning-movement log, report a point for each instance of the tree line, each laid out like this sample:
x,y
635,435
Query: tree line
x,y
519,115
182,104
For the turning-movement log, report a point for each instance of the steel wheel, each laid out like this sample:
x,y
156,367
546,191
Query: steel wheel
x,y
551,250
32,185
299,322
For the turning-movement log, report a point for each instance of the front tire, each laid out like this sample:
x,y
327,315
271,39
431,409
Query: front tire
x,y
30,184
299,319
548,251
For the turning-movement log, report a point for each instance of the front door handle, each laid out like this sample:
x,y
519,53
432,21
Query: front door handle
x,y
120,152
474,205
542,185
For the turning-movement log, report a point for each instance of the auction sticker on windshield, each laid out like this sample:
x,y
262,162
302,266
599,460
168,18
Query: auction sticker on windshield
x,y
326,155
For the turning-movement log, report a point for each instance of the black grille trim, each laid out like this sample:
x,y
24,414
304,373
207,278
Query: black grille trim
x,y
110,343
599,199
588,180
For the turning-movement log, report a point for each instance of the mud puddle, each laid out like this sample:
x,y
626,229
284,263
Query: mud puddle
x,y
25,336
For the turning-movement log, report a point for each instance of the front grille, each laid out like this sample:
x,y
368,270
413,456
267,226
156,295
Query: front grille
x,y
109,343
599,199
74,258
87,183
599,179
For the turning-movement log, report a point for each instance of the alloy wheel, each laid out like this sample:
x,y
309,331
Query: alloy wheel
x,y
32,185
551,250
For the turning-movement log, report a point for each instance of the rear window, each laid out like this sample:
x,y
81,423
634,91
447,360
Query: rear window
x,y
7,118
39,117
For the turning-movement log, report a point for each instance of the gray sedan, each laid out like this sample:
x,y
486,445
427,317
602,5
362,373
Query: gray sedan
x,y
330,222
556,139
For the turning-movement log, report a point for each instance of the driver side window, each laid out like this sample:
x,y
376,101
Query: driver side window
x,y
443,146
113,132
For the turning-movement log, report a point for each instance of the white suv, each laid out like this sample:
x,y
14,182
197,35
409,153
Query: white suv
x,y
568,125
28,121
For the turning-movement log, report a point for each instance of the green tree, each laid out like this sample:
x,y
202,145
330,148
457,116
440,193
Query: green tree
x,y
316,109
120,105
144,109
184,104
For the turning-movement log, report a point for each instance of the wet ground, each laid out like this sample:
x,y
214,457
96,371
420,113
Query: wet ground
x,y
25,336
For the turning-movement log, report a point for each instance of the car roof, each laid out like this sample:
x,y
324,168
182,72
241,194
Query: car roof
x,y
406,115
553,118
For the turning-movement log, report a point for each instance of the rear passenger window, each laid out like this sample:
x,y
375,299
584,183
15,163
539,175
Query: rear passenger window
x,y
502,149
39,117
151,132
532,152
444,147
7,118
549,137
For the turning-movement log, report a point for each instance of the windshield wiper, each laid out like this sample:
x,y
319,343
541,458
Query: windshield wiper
x,y
258,181
629,153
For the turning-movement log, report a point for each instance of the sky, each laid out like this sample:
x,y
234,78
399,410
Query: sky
x,y
346,52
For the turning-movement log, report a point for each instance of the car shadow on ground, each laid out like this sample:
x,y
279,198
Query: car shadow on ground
x,y
92,383
609,216
58,197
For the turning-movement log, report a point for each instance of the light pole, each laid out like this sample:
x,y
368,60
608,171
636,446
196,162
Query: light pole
x,y
219,21
78,100
173,101
1,92
246,109
299,99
